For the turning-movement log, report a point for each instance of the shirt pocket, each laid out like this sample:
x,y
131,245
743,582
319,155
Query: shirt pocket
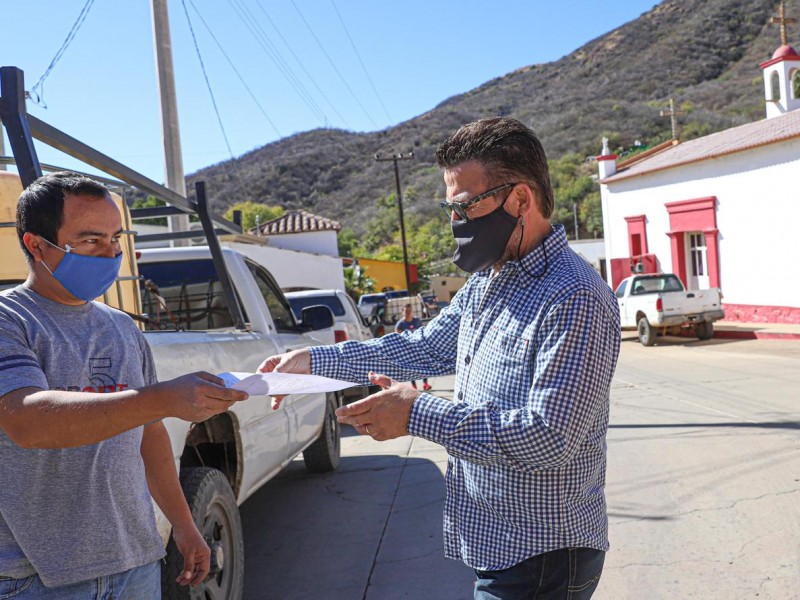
x,y
504,361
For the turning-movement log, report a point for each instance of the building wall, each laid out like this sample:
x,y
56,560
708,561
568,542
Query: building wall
x,y
758,212
293,269
446,286
387,274
316,242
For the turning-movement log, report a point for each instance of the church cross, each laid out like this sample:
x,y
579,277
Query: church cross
x,y
783,20
672,113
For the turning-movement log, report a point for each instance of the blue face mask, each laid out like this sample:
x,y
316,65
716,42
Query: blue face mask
x,y
85,277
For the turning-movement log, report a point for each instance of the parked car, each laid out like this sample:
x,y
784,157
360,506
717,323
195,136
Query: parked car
x,y
371,304
349,324
659,305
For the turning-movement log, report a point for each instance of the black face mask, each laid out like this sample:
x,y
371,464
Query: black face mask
x,y
481,242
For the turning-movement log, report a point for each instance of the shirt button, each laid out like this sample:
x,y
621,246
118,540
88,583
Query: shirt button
x,y
466,360
460,395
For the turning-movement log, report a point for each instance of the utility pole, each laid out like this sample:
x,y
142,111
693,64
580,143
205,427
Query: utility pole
x,y
672,113
170,131
395,158
575,218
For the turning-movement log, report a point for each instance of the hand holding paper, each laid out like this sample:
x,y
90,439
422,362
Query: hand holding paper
x,y
282,384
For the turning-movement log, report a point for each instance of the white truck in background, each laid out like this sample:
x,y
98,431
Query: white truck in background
x,y
660,305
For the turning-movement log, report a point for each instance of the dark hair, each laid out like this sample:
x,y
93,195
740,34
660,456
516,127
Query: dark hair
x,y
407,306
40,209
509,152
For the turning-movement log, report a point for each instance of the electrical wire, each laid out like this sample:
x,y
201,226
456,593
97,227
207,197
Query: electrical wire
x,y
363,66
336,70
302,66
275,56
235,70
213,99
38,96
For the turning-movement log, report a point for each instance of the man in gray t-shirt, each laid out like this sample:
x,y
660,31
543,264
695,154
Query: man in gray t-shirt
x,y
82,445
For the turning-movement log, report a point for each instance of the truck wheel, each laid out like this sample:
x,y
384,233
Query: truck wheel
x,y
323,455
705,330
647,335
216,515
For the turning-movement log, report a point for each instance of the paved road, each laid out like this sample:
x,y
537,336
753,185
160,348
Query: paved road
x,y
703,492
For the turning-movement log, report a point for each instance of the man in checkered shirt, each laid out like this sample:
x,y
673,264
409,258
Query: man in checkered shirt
x,y
533,338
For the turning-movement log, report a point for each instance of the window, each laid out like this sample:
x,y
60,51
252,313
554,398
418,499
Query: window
x,y
298,303
183,295
795,79
280,311
621,289
652,284
775,86
697,246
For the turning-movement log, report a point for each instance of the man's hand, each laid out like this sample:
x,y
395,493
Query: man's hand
x,y
196,397
384,415
196,554
296,361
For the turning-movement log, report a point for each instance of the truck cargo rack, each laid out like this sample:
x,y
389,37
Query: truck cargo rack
x,y
22,128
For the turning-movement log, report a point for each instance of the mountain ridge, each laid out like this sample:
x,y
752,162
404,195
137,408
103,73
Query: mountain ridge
x,y
704,53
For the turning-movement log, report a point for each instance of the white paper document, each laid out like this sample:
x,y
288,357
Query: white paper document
x,y
281,384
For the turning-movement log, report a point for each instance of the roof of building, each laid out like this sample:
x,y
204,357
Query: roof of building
x,y
729,141
296,221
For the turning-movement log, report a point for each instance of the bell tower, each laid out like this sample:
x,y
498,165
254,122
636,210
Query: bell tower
x,y
782,73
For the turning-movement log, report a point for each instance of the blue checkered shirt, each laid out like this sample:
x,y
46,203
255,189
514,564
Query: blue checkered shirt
x,y
533,359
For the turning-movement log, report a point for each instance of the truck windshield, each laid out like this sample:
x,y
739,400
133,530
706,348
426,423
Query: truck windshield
x,y
183,295
653,284
301,302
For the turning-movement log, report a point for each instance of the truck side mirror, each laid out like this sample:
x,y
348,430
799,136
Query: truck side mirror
x,y
317,317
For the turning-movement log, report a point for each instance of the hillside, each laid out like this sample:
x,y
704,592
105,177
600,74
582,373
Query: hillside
x,y
704,53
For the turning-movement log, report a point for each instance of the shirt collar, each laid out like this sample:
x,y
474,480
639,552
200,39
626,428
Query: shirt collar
x,y
538,261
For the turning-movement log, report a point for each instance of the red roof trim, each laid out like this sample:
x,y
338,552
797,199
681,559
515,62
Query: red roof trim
x,y
775,61
709,202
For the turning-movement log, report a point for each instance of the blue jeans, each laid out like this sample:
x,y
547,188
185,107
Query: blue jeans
x,y
135,584
566,574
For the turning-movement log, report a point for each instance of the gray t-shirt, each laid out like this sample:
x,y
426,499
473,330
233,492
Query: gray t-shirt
x,y
78,513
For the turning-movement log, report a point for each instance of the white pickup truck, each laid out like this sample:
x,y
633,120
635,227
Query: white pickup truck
x,y
189,327
225,459
224,312
659,305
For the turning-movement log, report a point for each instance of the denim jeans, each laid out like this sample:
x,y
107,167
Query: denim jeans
x,y
566,574
135,584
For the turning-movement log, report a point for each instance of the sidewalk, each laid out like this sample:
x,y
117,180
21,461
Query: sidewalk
x,y
751,331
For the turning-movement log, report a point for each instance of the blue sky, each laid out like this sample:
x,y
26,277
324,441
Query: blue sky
x,y
409,56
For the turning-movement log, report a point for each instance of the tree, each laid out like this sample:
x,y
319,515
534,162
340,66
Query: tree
x,y
252,211
356,281
150,202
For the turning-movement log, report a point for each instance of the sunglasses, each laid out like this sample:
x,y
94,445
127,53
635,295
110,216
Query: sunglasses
x,y
460,208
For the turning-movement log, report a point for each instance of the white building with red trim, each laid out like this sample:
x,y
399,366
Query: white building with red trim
x,y
719,211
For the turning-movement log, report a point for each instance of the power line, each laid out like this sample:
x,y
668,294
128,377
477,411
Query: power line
x,y
38,97
302,66
235,70
275,56
330,60
213,99
363,66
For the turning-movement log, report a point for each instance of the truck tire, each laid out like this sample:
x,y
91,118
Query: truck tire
x,y
216,515
647,335
705,330
323,455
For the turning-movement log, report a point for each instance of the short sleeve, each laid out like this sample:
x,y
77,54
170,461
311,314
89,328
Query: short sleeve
x,y
19,365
